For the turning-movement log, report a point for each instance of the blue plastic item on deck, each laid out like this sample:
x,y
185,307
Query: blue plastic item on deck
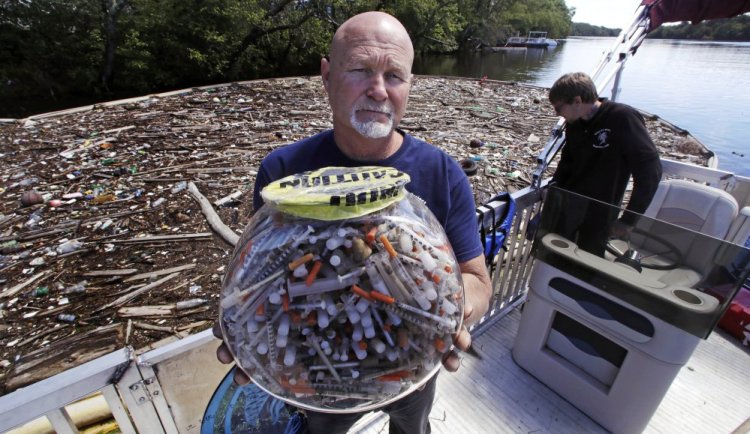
x,y
494,238
249,410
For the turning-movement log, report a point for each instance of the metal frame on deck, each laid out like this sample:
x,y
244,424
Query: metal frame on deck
x,y
512,264
50,396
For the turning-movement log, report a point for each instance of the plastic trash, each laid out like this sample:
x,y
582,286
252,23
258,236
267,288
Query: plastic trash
x,y
77,288
66,318
189,304
28,182
34,219
69,246
40,291
179,187
157,202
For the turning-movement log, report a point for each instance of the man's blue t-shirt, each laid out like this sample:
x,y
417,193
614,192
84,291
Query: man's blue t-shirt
x,y
435,177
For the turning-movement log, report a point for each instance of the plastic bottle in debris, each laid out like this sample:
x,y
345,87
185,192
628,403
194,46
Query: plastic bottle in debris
x,y
179,187
40,291
78,288
34,219
157,202
28,181
66,318
189,304
69,246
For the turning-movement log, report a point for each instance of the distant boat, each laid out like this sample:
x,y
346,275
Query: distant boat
x,y
534,40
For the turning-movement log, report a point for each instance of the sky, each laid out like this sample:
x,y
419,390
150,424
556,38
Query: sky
x,y
613,14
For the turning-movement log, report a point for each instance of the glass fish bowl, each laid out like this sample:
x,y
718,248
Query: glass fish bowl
x,y
343,293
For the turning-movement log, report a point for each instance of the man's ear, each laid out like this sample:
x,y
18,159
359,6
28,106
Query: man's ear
x,y
325,71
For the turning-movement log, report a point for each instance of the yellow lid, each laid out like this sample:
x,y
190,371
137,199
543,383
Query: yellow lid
x,y
337,193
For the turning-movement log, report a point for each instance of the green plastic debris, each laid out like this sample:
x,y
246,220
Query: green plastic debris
x,y
40,291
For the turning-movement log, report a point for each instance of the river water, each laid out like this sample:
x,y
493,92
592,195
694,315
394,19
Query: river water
x,y
699,86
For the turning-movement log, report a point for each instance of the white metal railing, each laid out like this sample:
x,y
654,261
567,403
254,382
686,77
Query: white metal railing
x,y
50,396
513,262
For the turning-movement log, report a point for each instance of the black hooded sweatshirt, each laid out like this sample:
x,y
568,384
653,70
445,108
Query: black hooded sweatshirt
x,y
602,153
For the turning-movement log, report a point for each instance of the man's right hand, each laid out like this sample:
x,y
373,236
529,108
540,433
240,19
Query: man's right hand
x,y
224,356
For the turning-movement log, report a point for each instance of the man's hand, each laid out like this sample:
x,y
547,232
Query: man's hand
x,y
224,356
462,341
477,293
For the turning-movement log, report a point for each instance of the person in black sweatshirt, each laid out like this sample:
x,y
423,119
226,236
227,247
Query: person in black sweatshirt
x,y
607,143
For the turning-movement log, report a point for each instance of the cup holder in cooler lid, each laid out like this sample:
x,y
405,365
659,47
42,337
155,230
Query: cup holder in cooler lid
x,y
687,296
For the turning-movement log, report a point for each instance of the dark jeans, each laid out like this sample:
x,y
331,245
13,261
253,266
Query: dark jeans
x,y
408,415
585,222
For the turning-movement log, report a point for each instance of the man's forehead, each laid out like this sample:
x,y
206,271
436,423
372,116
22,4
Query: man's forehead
x,y
370,55
372,51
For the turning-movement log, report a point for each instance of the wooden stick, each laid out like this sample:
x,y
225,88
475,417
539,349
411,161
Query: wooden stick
x,y
160,272
140,311
147,326
12,291
157,238
109,273
44,333
127,297
213,219
192,325
251,170
128,331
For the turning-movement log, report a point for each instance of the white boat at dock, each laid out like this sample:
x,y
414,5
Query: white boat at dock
x,y
533,40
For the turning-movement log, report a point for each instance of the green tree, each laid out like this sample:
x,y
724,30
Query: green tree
x,y
56,47
49,47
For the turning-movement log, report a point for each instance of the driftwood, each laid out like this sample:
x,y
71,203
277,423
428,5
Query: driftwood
x,y
213,219
159,272
127,297
57,328
179,330
147,326
12,291
162,309
65,354
159,238
110,273
141,311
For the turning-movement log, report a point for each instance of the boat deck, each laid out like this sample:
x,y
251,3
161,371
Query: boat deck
x,y
711,394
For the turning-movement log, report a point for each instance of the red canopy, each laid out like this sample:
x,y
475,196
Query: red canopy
x,y
695,11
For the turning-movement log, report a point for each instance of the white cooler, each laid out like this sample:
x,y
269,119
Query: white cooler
x,y
588,338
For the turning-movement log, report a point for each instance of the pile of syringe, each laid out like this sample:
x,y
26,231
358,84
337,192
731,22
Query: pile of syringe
x,y
342,316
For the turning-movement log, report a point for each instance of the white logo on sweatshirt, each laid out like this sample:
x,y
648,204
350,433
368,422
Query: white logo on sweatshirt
x,y
600,138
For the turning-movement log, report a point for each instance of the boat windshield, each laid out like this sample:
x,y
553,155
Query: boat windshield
x,y
680,276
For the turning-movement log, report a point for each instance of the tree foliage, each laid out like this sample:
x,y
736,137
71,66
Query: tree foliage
x,y
727,29
58,48
585,29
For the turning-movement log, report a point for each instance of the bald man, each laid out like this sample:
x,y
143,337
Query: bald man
x,y
367,76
